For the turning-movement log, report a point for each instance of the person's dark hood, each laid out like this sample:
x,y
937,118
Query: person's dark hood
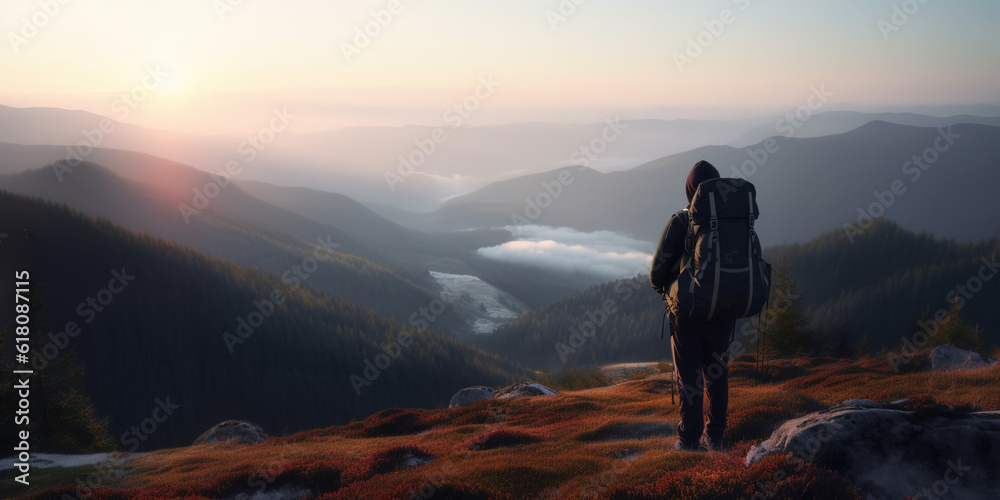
x,y
701,172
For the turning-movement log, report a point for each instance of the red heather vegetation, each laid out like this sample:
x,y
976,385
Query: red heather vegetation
x,y
607,442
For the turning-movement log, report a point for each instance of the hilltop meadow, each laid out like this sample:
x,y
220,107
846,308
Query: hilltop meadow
x,y
611,441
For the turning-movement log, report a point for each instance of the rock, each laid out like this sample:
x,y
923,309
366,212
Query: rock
x,y
233,432
947,358
479,393
415,459
288,491
866,403
888,452
524,390
941,359
471,395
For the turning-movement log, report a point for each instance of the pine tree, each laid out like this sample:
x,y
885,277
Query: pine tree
x,y
787,326
957,331
864,347
62,419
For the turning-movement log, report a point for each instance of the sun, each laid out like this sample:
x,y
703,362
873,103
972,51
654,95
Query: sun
x,y
172,84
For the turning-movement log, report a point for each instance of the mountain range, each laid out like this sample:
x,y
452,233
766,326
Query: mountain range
x,y
805,187
874,236
356,160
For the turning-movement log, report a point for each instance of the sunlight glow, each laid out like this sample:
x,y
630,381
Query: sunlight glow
x,y
356,64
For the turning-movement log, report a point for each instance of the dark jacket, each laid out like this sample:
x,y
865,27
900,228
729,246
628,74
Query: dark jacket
x,y
667,258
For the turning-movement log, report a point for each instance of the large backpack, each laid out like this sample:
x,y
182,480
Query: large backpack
x,y
723,275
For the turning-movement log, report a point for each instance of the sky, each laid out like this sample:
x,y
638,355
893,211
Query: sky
x,y
222,63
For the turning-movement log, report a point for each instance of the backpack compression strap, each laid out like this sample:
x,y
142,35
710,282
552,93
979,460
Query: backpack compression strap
x,y
714,240
750,254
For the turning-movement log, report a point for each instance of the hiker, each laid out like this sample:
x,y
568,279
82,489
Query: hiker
x,y
702,324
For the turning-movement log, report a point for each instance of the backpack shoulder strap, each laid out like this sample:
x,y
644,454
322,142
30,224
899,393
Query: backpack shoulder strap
x,y
688,239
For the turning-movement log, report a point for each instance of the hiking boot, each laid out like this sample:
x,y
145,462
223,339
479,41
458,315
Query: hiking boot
x,y
707,444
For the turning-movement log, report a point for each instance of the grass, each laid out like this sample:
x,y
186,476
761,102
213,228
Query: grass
x,y
598,442
572,379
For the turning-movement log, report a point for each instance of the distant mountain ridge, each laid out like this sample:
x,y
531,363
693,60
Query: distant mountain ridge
x,y
839,122
806,186
235,226
355,160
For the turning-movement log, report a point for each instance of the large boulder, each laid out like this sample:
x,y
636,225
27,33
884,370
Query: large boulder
x,y
942,358
471,395
889,452
525,389
479,393
947,358
233,432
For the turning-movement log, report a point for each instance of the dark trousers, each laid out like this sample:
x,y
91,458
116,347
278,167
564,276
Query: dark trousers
x,y
700,351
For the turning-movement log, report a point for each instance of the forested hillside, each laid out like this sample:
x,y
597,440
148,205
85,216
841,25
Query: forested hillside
x,y
616,321
151,320
880,286
882,282
249,233
415,252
